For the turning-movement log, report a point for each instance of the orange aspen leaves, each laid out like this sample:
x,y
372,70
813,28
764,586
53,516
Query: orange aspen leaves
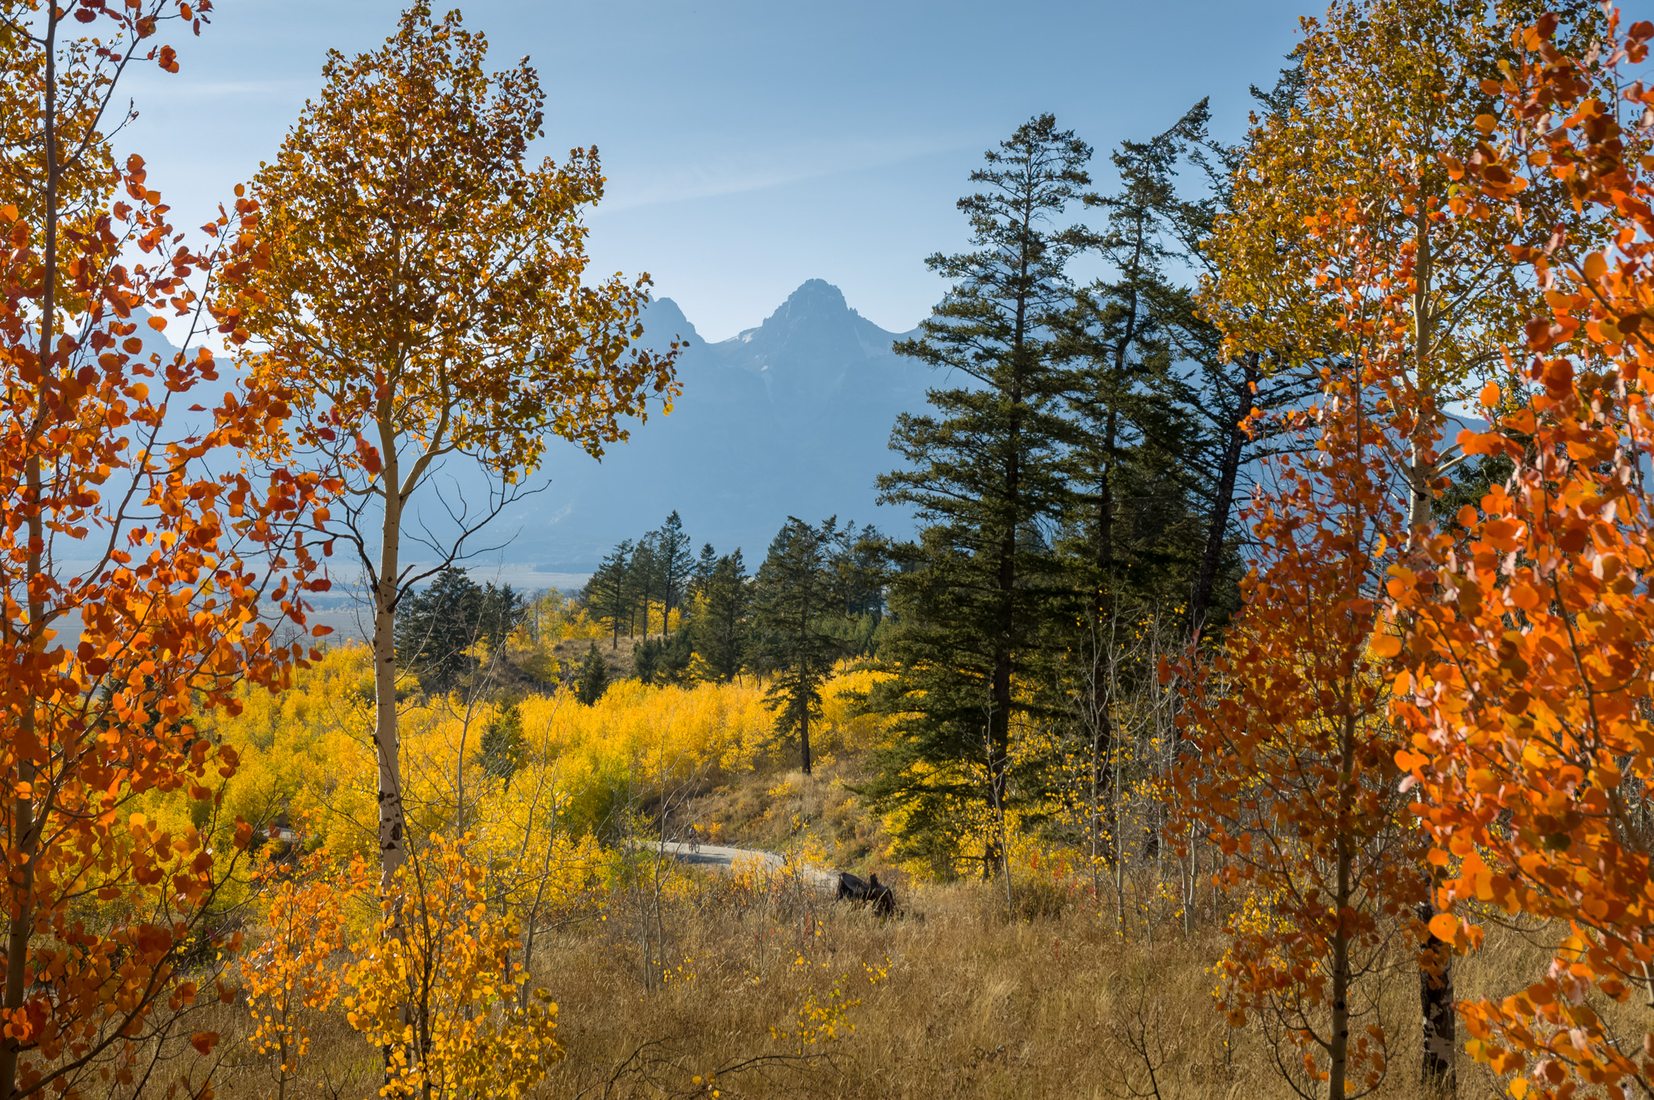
x,y
1528,700
139,552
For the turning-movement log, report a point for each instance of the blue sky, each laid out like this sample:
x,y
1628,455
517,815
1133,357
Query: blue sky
x,y
751,144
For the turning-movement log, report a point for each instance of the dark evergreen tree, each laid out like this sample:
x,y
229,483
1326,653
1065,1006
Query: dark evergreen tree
x,y
797,626
674,565
500,611
642,575
720,626
646,660
439,624
858,560
608,594
663,660
704,565
436,626
503,745
1131,532
1227,389
982,470
593,678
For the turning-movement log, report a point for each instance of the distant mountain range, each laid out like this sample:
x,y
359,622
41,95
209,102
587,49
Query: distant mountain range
x,y
792,417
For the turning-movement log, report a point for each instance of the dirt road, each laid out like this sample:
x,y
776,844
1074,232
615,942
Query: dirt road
x,y
719,855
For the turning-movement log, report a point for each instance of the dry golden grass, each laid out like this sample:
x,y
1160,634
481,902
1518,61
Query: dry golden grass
x,y
953,999
724,984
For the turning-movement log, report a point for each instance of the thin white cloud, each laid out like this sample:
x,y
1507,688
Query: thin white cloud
x,y
744,174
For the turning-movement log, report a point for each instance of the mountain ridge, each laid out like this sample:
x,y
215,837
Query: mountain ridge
x,y
788,417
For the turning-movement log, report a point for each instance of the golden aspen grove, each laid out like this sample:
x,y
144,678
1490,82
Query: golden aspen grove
x,y
1210,653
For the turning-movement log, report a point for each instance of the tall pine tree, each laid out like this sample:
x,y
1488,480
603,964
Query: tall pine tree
x,y
1129,533
609,591
859,560
1230,385
721,625
674,564
797,626
704,565
981,468
643,575
1127,515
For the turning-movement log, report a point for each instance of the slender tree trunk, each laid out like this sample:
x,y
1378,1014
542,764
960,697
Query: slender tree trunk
x,y
22,924
25,829
1421,472
804,738
25,838
999,714
805,675
1223,501
1435,960
1094,810
1102,599
1119,857
1099,770
1102,612
1103,761
1338,1044
386,743
387,748
1436,1010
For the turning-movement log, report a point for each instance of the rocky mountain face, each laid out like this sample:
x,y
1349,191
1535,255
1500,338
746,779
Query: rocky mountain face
x,y
789,418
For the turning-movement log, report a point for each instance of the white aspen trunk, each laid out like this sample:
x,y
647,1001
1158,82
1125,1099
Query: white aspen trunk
x,y
1421,465
386,744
